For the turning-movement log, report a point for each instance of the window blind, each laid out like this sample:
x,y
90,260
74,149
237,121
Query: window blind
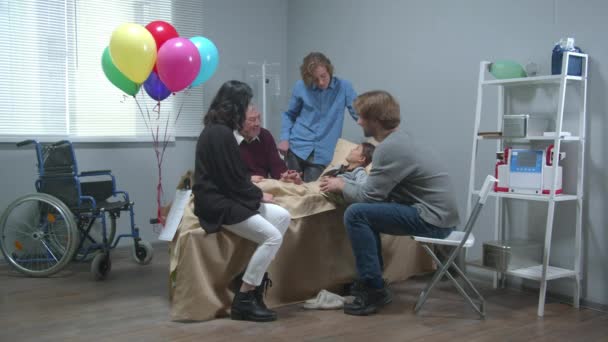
x,y
54,86
33,68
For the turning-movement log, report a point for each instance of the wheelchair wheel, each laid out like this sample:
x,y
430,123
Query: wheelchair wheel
x,y
101,265
38,235
143,253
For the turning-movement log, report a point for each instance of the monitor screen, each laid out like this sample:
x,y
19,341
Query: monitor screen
x,y
526,158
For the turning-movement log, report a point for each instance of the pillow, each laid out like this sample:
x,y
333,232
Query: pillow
x,y
343,148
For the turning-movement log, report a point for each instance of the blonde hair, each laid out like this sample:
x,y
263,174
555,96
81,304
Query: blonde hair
x,y
310,63
380,106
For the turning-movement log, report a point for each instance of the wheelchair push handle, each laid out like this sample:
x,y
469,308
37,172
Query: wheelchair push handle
x,y
26,142
32,141
61,142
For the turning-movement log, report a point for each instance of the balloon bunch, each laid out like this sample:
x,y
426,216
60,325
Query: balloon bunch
x,y
165,63
157,57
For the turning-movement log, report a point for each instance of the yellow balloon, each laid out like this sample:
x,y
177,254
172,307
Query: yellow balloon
x,y
133,51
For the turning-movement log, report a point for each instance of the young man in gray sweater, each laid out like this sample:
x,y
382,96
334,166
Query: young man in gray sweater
x,y
407,192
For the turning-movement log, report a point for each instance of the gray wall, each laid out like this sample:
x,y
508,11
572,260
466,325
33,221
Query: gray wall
x,y
248,32
427,54
243,31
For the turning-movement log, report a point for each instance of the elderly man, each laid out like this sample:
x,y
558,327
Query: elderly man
x,y
259,151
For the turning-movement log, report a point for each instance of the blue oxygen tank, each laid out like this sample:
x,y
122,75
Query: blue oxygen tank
x,y
575,64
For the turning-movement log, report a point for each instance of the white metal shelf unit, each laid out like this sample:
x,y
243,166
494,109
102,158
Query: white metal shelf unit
x,y
532,272
539,198
544,271
563,138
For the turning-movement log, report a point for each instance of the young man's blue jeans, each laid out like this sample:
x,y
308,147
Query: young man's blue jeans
x,y
365,221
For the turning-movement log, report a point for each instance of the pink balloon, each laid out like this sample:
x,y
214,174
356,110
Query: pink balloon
x,y
178,63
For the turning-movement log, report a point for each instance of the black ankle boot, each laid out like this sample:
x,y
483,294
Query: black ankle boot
x,y
357,286
368,300
236,282
245,307
260,290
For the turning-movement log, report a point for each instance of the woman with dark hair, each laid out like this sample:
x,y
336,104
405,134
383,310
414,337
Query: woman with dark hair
x,y
225,197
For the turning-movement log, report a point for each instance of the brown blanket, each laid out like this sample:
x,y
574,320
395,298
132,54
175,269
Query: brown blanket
x,y
315,255
300,200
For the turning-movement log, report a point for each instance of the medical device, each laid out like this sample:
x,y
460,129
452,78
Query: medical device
x,y
527,171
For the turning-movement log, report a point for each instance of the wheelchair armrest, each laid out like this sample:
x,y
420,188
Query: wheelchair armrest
x,y
96,173
86,198
123,193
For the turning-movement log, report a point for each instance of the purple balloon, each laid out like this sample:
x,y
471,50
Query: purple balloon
x,y
155,88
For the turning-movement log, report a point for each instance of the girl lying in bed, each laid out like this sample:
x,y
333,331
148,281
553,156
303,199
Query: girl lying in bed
x,y
354,169
302,199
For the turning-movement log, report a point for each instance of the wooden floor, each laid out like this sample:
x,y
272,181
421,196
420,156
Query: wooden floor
x,y
132,305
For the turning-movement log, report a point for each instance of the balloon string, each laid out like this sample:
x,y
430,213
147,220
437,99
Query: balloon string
x,y
159,186
156,110
186,93
159,195
158,149
142,113
158,152
147,111
165,140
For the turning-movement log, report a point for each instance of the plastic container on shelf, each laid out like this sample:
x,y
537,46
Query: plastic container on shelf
x,y
505,255
505,69
575,64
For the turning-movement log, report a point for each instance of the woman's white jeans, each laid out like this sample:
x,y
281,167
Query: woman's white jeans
x,y
266,229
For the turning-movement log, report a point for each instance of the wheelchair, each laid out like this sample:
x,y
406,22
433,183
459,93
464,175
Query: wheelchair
x,y
67,218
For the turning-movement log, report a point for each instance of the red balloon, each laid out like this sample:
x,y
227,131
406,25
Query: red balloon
x,y
161,31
